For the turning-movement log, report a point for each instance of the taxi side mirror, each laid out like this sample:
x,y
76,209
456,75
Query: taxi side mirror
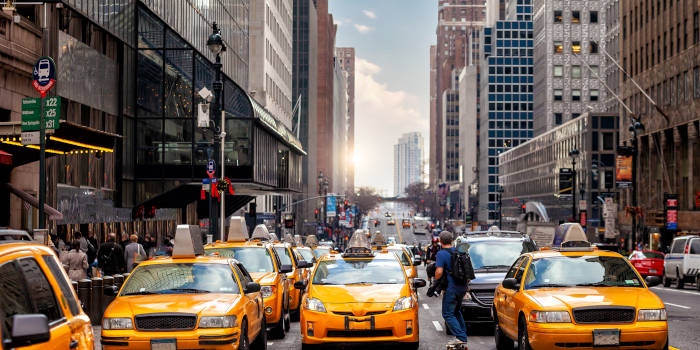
x,y
300,285
652,281
416,261
419,283
252,287
28,329
286,268
511,283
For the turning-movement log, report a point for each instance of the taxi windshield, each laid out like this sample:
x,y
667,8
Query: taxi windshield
x,y
321,251
496,254
283,253
589,271
358,271
181,278
307,254
255,259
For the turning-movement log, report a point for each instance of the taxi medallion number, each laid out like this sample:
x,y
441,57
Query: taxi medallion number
x,y
606,337
163,344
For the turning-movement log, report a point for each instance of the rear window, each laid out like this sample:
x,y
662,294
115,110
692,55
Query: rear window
x,y
655,255
678,246
695,246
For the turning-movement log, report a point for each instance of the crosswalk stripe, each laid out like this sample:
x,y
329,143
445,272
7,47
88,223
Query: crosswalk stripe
x,y
438,326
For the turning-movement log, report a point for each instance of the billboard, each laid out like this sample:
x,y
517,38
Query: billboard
x,y
623,167
671,211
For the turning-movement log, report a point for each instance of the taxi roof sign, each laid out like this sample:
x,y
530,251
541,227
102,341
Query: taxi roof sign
x,y
378,239
289,239
261,233
237,230
188,242
358,245
298,241
311,241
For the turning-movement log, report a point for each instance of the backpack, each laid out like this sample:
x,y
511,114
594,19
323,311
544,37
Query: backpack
x,y
105,259
91,252
461,268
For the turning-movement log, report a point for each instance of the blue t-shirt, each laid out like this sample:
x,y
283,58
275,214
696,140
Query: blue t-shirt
x,y
444,260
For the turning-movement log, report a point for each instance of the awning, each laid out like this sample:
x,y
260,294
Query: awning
x,y
51,212
5,158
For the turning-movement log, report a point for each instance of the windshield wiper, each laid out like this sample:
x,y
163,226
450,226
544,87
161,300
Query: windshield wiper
x,y
493,267
186,290
357,283
595,284
550,285
140,293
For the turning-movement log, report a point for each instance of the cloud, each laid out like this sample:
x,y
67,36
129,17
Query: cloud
x,y
382,115
369,14
362,28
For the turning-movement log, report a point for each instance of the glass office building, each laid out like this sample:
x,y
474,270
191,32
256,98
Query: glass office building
x,y
506,109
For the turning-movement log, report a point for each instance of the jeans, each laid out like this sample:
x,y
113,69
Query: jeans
x,y
452,313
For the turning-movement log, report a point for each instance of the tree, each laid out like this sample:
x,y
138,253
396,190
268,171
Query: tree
x,y
421,199
366,199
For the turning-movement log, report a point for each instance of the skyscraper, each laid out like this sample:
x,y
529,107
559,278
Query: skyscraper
x,y
346,59
408,162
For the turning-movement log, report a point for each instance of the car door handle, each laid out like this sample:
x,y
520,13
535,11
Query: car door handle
x,y
73,344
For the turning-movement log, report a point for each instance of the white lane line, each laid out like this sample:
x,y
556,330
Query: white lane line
x,y
270,343
438,326
425,306
676,305
675,290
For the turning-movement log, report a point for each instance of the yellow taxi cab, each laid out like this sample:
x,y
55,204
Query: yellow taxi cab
x,y
260,259
40,309
405,256
187,301
577,297
289,258
359,296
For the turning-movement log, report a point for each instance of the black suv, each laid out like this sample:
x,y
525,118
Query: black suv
x,y
492,253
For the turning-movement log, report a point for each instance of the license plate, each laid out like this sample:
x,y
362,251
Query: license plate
x,y
163,344
652,271
606,337
359,326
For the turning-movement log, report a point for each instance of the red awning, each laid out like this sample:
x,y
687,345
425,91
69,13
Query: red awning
x,y
5,158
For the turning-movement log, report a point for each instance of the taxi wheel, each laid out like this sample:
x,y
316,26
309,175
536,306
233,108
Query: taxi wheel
x,y
260,342
244,344
309,346
502,340
523,340
287,320
411,346
279,330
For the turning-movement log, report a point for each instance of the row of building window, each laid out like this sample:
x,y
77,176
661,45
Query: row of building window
x,y
510,107
673,91
593,95
593,47
558,71
510,88
575,16
509,134
510,115
510,125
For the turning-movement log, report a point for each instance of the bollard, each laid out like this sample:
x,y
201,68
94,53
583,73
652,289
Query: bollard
x,y
84,289
118,281
75,286
96,301
108,282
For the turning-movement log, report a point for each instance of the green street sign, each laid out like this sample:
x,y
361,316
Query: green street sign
x,y
31,109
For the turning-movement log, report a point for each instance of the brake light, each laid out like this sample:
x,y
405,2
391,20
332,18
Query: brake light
x,y
687,248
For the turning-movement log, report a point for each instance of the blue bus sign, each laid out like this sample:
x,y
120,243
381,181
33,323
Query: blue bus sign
x,y
211,168
44,75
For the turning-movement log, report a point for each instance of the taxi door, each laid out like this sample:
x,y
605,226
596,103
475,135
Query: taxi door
x,y
505,304
253,303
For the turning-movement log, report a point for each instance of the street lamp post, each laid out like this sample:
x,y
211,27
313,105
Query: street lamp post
x,y
634,127
573,154
216,45
500,206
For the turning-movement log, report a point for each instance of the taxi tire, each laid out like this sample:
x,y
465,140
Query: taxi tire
x,y
278,331
309,346
523,340
260,342
502,340
244,343
411,346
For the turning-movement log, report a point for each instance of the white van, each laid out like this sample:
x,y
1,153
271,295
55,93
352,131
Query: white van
x,y
682,263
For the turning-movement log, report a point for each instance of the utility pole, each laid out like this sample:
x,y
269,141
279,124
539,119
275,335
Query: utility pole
x,y
573,154
216,45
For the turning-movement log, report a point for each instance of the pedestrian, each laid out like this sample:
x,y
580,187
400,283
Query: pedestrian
x,y
134,253
454,293
110,257
125,240
431,251
75,261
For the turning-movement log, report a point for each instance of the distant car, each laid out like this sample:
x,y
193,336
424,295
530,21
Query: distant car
x,y
391,222
405,223
648,263
388,214
14,235
682,263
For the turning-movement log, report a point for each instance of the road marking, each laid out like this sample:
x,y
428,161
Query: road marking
x,y
425,306
675,290
398,229
270,343
437,325
676,305
672,348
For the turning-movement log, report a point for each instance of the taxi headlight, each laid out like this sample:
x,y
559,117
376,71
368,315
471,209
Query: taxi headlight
x,y
652,315
314,304
403,303
117,323
550,317
218,321
267,291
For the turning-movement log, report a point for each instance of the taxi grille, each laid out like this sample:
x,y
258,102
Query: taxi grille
x,y
349,313
157,322
484,297
604,315
361,334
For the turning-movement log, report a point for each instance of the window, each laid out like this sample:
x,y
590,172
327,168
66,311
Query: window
x,y
696,78
576,46
593,17
514,269
696,28
695,246
595,71
678,246
66,288
592,47
576,95
608,141
594,94
558,71
558,16
558,95
40,290
575,16
576,72
558,118
14,296
558,47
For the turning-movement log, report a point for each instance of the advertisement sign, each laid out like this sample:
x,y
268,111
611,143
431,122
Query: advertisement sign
x,y
582,218
623,167
566,183
331,204
671,211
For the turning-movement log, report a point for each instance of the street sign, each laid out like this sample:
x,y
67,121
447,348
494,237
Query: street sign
x,y
31,113
566,184
30,138
44,75
211,168
331,204
582,204
671,210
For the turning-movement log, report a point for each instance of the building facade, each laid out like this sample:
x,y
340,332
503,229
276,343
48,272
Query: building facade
x,y
506,117
346,60
530,173
469,139
325,75
408,162
340,146
660,49
569,41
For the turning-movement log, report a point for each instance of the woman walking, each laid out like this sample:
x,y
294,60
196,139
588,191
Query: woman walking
x,y
76,262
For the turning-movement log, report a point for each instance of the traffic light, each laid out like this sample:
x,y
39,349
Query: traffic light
x,y
523,208
316,214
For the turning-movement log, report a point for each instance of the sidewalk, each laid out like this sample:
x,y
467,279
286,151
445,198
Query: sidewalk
x,y
96,330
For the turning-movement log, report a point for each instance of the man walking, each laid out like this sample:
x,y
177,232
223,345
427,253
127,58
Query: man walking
x,y
453,295
110,257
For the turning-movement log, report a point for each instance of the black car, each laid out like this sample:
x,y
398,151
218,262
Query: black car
x,y
492,254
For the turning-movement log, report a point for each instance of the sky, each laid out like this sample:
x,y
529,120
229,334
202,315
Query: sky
x,y
392,41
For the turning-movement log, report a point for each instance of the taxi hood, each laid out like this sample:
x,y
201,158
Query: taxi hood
x,y
569,298
264,277
202,304
342,294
